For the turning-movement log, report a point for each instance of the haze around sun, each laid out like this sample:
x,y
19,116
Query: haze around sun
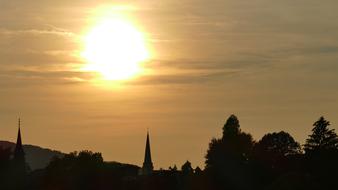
x,y
115,49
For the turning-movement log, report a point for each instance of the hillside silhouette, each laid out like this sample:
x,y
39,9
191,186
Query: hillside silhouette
x,y
36,157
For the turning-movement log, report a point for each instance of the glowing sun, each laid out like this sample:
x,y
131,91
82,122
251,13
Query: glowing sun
x,y
115,49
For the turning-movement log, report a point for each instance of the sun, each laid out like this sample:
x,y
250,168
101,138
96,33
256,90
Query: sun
x,y
115,49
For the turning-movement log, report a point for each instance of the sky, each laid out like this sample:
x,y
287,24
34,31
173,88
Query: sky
x,y
274,64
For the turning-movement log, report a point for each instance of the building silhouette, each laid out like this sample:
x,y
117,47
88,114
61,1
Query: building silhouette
x,y
19,163
147,167
19,154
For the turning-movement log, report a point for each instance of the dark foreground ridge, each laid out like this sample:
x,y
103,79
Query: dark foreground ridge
x,y
36,157
233,162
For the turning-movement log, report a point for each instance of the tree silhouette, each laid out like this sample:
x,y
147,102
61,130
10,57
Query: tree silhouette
x,y
227,158
231,128
186,168
233,144
74,170
198,170
272,155
321,154
322,138
279,144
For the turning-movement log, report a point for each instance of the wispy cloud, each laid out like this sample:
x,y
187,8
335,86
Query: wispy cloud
x,y
4,31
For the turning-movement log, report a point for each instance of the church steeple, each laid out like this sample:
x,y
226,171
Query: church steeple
x,y
20,167
19,154
147,164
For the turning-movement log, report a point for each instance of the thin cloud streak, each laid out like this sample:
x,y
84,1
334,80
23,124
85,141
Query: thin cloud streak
x,y
4,31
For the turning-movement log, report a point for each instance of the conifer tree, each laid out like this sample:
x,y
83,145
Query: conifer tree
x,y
322,138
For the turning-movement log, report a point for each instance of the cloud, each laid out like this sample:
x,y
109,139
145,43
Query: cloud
x,y
200,41
36,32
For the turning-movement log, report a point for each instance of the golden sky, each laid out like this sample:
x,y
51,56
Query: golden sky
x,y
273,64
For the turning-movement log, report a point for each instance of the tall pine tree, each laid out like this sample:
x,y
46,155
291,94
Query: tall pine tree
x,y
322,138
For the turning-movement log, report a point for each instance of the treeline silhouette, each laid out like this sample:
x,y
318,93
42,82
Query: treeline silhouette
x,y
233,162
276,161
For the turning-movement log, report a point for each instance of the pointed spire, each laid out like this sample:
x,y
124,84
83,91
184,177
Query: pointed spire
x,y
18,152
147,157
18,140
147,164
20,168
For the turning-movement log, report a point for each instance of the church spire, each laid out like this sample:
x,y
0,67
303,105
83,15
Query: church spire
x,y
18,151
20,167
147,164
